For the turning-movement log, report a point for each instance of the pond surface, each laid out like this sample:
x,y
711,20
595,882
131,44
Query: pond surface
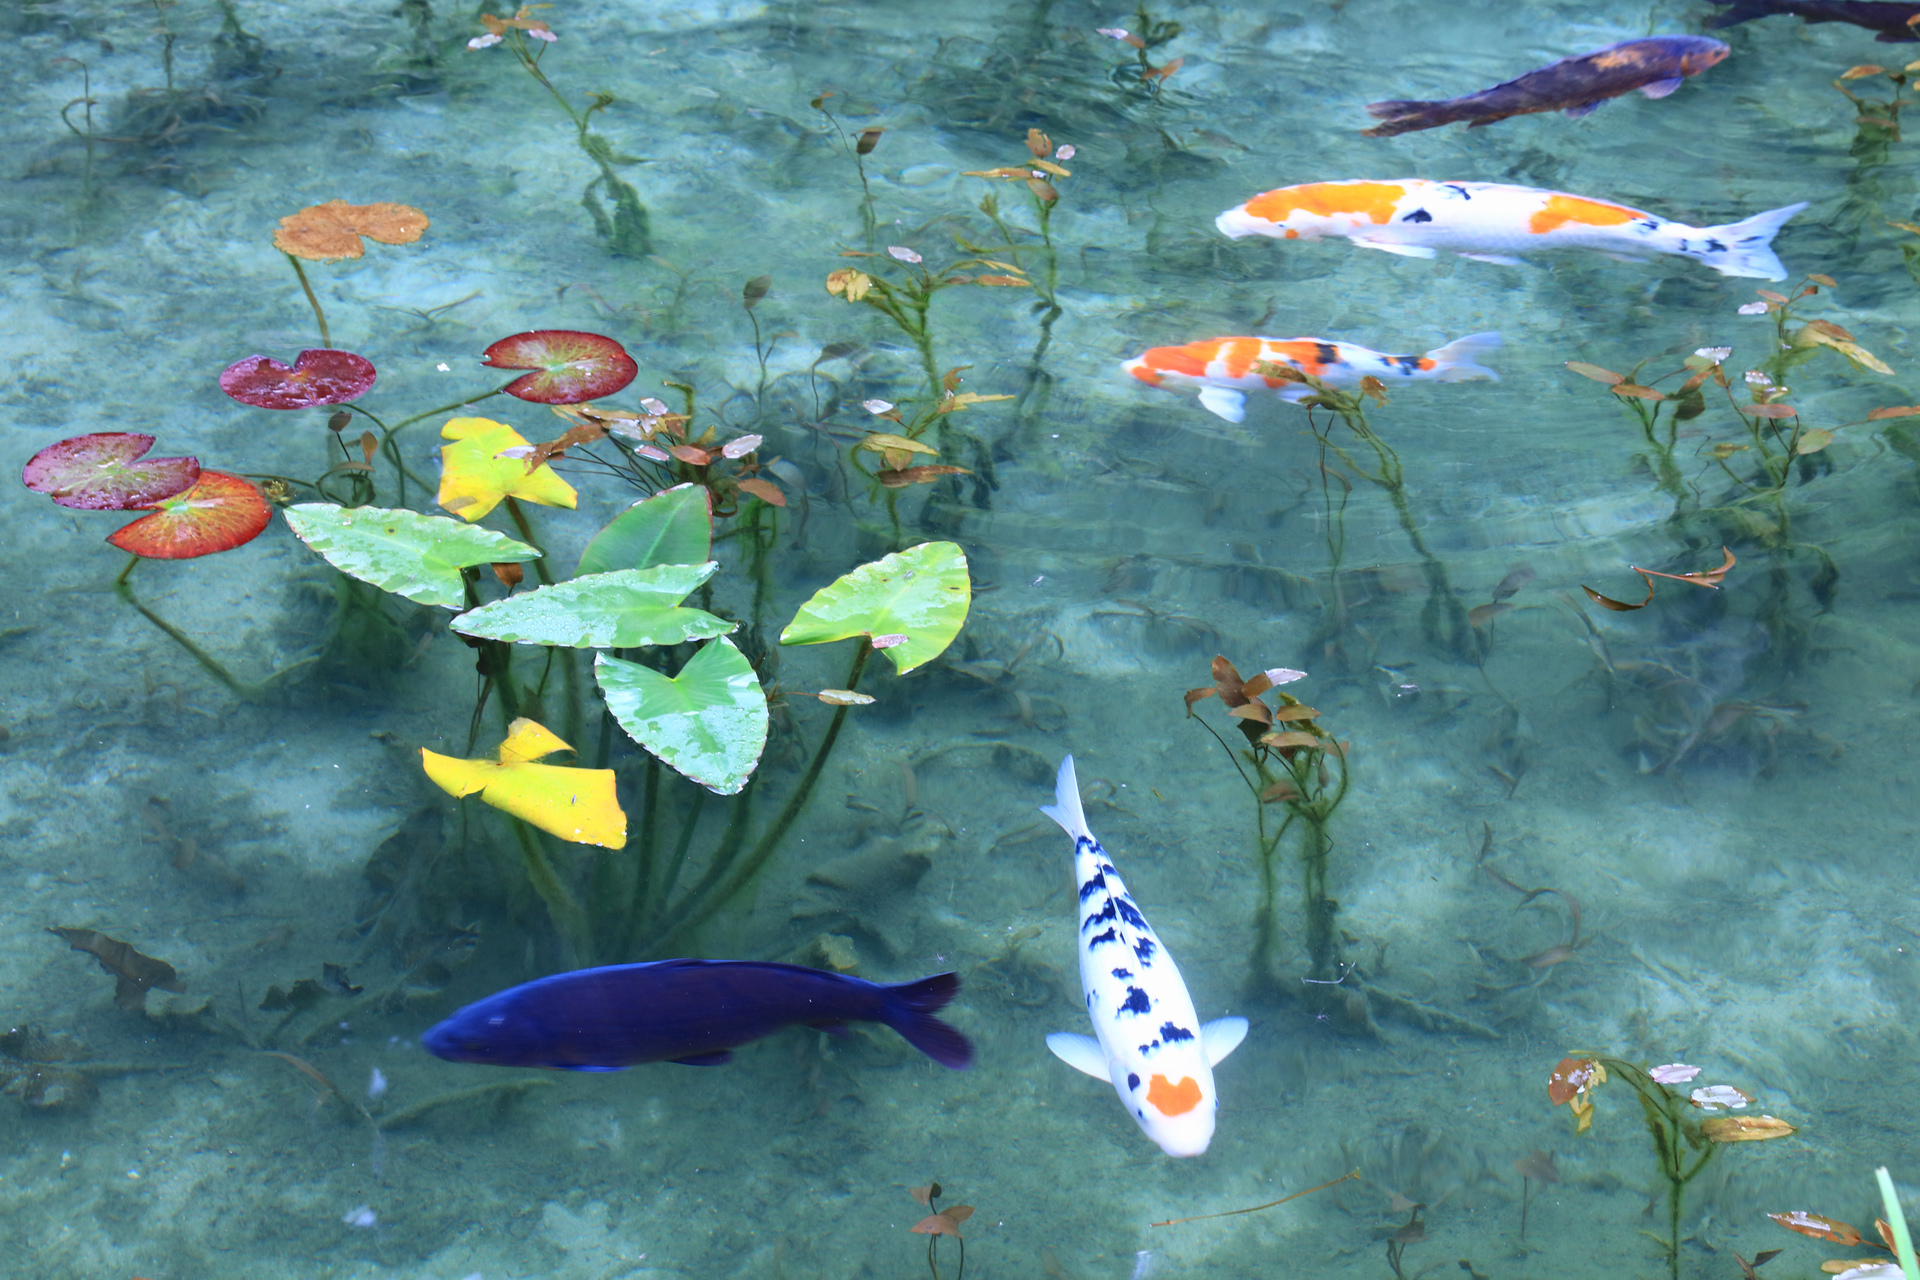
x,y
1520,826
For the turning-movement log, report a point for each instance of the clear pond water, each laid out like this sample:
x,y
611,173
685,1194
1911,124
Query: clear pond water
x,y
1721,781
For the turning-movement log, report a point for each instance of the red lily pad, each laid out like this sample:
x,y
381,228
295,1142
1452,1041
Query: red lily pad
x,y
220,512
571,366
317,377
106,472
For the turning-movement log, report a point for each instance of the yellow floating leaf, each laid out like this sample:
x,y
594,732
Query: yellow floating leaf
x,y
1002,281
1813,335
1829,281
1039,143
1638,392
881,441
844,698
1815,440
854,285
474,478
575,804
1048,166
1006,172
1895,411
1745,1129
1595,372
1292,738
965,398
1862,71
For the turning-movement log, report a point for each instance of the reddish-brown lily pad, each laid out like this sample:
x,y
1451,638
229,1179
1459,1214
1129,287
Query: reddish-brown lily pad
x,y
316,377
220,512
570,366
106,472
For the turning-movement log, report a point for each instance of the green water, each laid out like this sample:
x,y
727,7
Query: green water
x,y
1717,780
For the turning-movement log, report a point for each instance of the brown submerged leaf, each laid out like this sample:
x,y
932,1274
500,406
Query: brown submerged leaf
x,y
1745,1129
918,475
927,1194
1538,1166
1638,392
1480,615
938,1224
133,972
1820,1228
1595,372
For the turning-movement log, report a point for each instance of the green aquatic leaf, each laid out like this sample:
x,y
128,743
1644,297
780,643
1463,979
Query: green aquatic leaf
x,y
921,594
618,610
416,556
709,722
674,526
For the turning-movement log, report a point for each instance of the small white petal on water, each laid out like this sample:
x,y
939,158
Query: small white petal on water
x,y
1754,309
742,447
1714,1097
877,407
902,253
888,641
361,1216
1715,354
377,1084
1674,1072
1284,675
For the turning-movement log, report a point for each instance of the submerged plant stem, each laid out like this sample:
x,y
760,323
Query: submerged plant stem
x,y
246,691
326,339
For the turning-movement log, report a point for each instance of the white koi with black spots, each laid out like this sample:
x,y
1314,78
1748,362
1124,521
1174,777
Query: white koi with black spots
x,y
1147,1040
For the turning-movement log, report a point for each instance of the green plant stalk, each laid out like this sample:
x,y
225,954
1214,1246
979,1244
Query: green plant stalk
x,y
1897,1219
703,901
325,339
629,228
242,689
683,844
562,907
1667,1124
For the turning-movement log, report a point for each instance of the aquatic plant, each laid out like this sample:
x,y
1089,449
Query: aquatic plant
x,y
627,229
332,232
1876,130
1895,1238
857,148
1299,766
1443,619
1149,33
134,974
1536,1166
940,1222
1683,1143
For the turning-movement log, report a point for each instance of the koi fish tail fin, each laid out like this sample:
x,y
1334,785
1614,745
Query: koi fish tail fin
x,y
1455,362
909,1008
1400,115
1746,248
1065,808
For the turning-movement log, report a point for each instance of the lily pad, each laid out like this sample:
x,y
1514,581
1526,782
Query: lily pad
x,y
575,804
416,556
915,601
331,232
317,377
618,610
105,471
709,722
474,477
217,512
674,526
571,366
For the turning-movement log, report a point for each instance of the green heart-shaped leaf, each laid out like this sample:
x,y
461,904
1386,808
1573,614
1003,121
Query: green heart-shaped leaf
x,y
709,722
921,593
416,556
618,610
674,526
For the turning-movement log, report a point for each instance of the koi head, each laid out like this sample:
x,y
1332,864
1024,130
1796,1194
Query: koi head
x,y
1177,1113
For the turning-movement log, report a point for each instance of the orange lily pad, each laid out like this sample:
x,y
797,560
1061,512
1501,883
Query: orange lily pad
x,y
331,232
218,512
316,377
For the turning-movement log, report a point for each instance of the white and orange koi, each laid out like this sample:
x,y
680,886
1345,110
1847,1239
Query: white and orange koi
x,y
1224,368
1147,1040
1491,222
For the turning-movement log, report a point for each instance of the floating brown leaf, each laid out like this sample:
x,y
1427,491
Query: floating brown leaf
x,y
1760,1259
1638,392
927,1194
1774,411
1253,709
1572,1076
764,490
510,574
1003,281
1817,278
1820,1228
1294,739
1863,70
868,140
1619,606
1711,578
1595,372
1039,143
331,232
1745,1129
133,972
1298,711
1280,792
1813,441
937,1224
1895,411
918,475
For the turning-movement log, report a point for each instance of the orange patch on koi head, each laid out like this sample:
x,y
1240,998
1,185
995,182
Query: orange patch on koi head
x,y
1561,210
1173,1099
1325,199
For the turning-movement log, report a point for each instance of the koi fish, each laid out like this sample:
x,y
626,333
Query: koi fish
x,y
1655,66
1147,1039
1491,221
1894,22
1223,367
694,1012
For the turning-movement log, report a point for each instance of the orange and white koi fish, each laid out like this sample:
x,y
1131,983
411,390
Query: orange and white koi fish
x,y
1223,368
1491,222
1147,1040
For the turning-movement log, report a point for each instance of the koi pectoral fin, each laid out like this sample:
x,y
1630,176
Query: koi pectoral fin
x,y
1661,88
1394,246
1224,402
1584,109
1082,1053
1221,1037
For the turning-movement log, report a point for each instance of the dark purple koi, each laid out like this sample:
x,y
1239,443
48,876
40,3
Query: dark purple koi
x,y
1894,22
1655,66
